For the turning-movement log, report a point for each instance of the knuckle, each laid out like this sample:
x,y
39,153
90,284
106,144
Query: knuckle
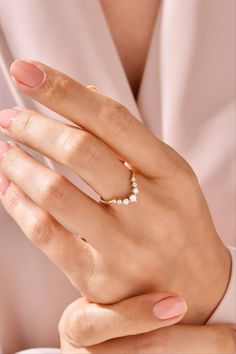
x,y
191,181
52,189
142,344
163,340
39,230
24,120
233,339
10,161
220,337
56,87
85,326
80,146
189,173
146,342
82,326
12,198
115,118
184,174
225,338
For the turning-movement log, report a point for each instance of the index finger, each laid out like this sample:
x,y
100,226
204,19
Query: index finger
x,y
102,116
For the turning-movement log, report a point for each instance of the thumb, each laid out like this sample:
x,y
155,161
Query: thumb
x,y
86,324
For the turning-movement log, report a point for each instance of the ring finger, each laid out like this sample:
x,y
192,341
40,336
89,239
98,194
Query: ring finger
x,y
47,234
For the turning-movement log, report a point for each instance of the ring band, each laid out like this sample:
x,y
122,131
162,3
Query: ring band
x,y
132,196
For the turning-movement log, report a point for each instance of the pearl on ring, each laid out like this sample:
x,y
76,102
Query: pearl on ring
x,y
132,196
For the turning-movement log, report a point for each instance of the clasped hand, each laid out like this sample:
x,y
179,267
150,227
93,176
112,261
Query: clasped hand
x,y
166,241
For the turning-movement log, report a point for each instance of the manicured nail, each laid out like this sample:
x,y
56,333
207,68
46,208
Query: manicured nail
x,y
4,147
169,307
4,184
27,73
6,117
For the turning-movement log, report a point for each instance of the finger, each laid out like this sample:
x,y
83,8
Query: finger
x,y
210,339
69,253
89,324
75,148
104,117
54,193
177,339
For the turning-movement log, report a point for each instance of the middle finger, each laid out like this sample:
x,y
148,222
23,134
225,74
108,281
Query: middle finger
x,y
75,148
55,194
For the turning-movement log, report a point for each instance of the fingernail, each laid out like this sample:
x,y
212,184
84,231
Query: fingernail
x,y
6,117
4,184
4,147
169,308
27,73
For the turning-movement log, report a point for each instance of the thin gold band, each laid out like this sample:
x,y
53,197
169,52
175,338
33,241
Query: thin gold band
x,y
132,196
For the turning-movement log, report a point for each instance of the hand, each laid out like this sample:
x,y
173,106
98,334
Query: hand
x,y
131,327
165,241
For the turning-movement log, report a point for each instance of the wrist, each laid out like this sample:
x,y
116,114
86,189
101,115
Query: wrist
x,y
205,279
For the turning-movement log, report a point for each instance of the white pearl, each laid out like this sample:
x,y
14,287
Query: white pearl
x,y
126,201
133,198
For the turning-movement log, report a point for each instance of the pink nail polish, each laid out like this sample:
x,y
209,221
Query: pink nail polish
x,y
4,184
4,147
27,73
6,117
169,308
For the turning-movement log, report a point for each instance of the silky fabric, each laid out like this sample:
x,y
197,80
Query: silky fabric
x,y
186,98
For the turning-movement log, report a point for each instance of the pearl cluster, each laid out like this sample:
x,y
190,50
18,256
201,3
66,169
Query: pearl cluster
x,y
132,198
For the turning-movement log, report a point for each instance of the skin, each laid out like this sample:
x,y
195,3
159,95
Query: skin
x,y
169,232
87,328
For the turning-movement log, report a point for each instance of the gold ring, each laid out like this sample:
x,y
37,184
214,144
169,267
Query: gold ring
x,y
131,197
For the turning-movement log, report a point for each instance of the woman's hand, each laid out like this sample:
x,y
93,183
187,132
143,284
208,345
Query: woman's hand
x,y
164,241
132,326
